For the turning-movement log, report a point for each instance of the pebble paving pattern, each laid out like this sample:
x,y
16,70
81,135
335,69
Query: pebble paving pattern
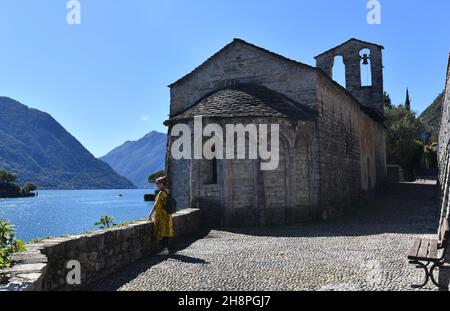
x,y
365,249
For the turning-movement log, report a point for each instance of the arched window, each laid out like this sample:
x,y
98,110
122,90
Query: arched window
x,y
366,67
339,70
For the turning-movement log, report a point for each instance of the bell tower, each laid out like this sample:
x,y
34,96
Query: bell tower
x,y
363,70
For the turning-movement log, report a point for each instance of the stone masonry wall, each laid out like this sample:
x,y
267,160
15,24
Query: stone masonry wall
x,y
246,196
44,265
444,166
351,149
444,154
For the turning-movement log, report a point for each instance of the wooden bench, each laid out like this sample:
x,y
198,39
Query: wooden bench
x,y
426,252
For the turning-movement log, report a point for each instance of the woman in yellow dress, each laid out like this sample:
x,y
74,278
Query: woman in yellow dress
x,y
163,222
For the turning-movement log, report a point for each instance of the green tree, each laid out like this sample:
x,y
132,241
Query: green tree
x,y
105,222
403,145
7,177
152,178
387,101
29,187
8,243
9,189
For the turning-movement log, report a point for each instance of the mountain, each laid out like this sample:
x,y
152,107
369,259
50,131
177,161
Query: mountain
x,y
136,160
432,116
38,149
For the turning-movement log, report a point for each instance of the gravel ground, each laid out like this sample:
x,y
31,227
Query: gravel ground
x,y
363,250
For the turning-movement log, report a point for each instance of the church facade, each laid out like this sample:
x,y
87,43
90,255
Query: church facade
x,y
332,139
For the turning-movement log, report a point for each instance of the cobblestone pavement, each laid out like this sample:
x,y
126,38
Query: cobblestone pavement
x,y
364,250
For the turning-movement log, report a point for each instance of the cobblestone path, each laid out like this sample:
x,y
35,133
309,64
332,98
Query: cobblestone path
x,y
364,250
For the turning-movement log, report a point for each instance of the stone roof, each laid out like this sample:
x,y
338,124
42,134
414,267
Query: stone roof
x,y
246,100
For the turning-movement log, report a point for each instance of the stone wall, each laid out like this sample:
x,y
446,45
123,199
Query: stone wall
x,y
44,265
444,154
246,196
352,149
444,166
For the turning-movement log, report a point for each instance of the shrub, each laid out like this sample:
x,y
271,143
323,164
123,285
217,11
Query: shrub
x,y
9,189
8,243
105,222
402,144
29,188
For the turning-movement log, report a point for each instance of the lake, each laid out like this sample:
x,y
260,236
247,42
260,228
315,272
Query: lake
x,y
60,212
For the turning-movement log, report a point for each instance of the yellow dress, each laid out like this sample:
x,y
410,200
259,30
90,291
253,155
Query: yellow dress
x,y
163,222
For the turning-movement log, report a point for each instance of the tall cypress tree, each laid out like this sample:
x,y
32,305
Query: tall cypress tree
x,y
408,101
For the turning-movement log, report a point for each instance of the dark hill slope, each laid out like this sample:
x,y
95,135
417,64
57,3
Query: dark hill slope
x,y
38,149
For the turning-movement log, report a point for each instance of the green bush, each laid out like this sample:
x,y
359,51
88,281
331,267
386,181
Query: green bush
x,y
29,188
105,222
6,177
8,244
9,189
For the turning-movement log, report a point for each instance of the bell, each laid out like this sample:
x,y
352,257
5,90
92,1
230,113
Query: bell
x,y
365,59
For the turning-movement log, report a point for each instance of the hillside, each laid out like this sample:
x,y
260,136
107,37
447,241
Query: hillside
x,y
38,149
432,116
136,160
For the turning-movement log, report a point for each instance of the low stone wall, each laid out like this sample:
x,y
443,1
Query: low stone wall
x,y
44,266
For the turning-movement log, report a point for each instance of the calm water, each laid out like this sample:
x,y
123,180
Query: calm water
x,y
59,212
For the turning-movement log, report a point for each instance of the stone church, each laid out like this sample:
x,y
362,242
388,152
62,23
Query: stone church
x,y
332,139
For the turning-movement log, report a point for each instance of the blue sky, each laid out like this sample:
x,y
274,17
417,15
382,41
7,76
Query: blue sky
x,y
106,80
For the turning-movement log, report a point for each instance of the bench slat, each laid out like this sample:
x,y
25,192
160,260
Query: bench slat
x,y
432,254
423,250
415,248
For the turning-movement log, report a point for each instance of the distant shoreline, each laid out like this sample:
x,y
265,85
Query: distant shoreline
x,y
18,196
93,189
81,189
